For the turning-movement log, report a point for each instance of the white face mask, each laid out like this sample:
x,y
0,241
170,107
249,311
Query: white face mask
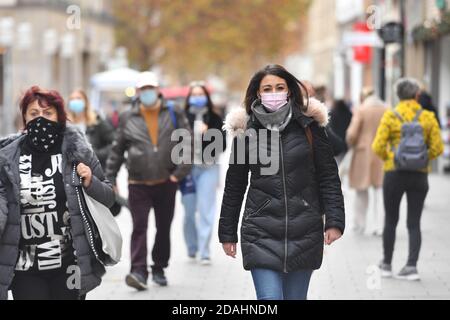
x,y
274,101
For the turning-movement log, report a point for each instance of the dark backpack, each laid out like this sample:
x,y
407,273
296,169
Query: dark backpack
x,y
412,152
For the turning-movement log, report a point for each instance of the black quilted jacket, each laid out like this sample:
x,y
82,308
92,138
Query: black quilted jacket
x,y
283,221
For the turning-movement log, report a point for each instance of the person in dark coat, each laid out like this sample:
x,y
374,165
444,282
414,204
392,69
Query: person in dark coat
x,y
294,202
99,132
144,142
426,101
319,93
340,118
43,242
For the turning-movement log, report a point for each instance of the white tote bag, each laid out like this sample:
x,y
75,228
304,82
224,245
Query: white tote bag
x,y
99,224
107,227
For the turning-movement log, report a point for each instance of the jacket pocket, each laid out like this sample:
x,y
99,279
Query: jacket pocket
x,y
257,211
311,206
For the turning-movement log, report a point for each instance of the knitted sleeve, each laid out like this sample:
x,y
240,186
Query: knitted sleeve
x,y
380,143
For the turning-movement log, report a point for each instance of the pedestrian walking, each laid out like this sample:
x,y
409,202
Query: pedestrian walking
x,y
200,194
145,132
339,145
407,139
43,243
283,230
99,132
426,101
340,118
366,169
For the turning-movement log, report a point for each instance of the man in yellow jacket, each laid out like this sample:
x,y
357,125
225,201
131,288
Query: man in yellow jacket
x,y
398,182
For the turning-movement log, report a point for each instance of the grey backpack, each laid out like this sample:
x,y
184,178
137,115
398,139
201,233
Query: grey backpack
x,y
412,152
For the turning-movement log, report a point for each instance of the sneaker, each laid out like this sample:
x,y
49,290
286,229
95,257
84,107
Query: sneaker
x,y
408,273
205,262
386,270
137,281
158,277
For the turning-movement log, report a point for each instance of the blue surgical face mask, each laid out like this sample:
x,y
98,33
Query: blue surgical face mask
x,y
198,101
77,106
148,97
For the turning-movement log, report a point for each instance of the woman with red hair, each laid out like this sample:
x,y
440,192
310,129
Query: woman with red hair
x,y
44,249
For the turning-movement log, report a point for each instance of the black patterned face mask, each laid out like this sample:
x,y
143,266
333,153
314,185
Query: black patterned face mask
x,y
43,134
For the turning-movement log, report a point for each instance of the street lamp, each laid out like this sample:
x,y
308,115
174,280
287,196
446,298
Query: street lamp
x,y
392,32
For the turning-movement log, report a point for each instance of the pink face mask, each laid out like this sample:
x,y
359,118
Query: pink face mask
x,y
274,101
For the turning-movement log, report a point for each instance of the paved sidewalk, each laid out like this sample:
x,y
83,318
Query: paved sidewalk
x,y
346,272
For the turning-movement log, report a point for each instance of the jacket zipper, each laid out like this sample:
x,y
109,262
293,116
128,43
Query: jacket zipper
x,y
265,204
285,206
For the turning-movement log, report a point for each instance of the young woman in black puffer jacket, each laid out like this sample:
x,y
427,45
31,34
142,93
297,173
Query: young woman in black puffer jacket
x,y
283,227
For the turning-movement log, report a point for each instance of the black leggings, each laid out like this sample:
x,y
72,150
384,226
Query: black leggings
x,y
43,286
415,185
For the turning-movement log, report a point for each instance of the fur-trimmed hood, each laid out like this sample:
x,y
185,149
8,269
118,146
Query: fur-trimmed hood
x,y
236,121
75,145
9,139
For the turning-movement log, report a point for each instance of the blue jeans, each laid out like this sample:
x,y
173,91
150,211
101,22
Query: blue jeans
x,y
197,233
273,285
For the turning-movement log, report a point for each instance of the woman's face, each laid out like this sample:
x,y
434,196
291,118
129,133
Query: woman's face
x,y
272,84
197,91
34,111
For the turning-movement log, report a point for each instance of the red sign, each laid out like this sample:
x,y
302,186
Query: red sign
x,y
362,54
178,92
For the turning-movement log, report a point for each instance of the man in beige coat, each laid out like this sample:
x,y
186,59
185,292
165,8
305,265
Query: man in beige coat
x,y
366,169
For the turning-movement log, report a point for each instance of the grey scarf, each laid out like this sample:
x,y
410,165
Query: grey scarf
x,y
275,121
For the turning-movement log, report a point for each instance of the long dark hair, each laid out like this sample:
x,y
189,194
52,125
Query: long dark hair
x,y
296,88
205,91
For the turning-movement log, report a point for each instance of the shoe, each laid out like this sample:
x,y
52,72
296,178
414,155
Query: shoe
x,y
158,277
377,233
386,270
358,230
408,273
137,281
192,257
205,262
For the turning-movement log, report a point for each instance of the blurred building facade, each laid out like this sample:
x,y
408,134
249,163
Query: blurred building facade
x,y
343,60
346,68
54,44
